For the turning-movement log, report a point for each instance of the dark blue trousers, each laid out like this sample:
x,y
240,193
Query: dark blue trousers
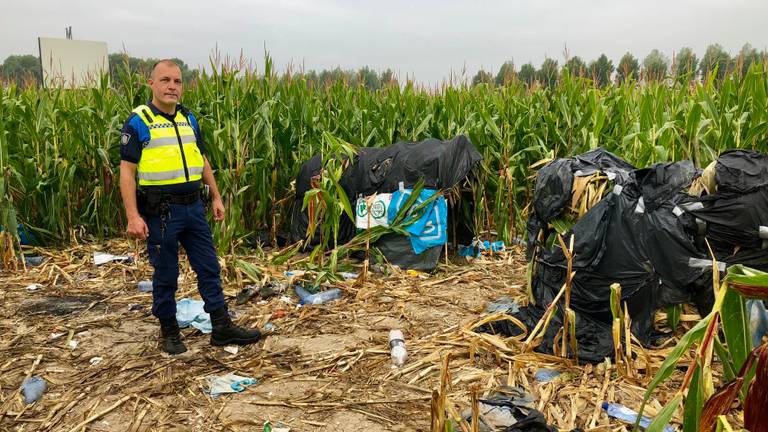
x,y
185,224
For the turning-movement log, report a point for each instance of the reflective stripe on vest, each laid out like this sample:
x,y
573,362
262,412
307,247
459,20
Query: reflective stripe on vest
x,y
171,156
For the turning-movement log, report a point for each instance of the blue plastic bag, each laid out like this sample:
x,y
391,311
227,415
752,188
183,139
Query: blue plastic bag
x,y
431,229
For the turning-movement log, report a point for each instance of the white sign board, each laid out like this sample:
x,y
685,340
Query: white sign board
x,y
72,63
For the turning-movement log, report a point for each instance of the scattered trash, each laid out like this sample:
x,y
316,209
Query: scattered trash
x,y
504,304
190,313
33,389
33,261
519,241
33,287
266,291
318,298
56,335
72,344
232,349
270,327
758,321
102,258
95,360
271,290
417,274
277,427
145,286
280,313
620,412
477,248
286,299
348,275
245,294
398,352
504,410
546,374
229,383
379,268
292,275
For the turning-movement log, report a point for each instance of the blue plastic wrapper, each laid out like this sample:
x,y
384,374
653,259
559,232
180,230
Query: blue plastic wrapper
x,y
476,248
546,375
190,313
33,389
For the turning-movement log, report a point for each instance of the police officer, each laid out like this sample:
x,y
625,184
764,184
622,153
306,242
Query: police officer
x,y
161,144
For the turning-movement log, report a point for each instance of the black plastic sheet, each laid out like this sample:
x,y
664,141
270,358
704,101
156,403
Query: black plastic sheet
x,y
648,235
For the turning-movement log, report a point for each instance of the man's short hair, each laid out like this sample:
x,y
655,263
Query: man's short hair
x,y
166,62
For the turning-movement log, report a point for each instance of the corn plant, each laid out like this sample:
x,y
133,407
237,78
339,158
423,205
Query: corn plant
x,y
702,405
60,146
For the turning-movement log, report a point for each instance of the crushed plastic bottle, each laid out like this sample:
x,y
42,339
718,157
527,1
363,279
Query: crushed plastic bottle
x,y
398,352
145,286
318,298
625,414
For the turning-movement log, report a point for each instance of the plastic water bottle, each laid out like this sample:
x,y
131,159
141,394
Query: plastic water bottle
x,y
397,348
625,414
758,321
145,286
317,298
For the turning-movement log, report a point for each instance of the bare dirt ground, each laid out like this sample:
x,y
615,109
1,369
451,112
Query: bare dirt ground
x,y
89,333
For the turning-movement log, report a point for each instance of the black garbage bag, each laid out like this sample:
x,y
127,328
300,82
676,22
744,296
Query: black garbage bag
x,y
398,251
504,413
510,413
741,171
554,182
735,219
647,235
440,164
552,190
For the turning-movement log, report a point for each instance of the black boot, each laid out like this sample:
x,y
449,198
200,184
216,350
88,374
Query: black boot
x,y
225,332
171,337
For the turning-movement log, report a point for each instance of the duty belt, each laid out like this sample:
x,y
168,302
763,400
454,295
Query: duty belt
x,y
182,199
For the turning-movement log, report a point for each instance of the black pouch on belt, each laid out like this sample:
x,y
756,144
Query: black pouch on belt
x,y
149,201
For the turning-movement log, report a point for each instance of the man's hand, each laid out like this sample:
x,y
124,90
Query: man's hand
x,y
137,228
218,209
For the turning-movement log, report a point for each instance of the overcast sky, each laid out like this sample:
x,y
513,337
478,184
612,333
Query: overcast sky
x,y
425,39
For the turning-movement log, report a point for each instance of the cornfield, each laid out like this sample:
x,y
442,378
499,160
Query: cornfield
x,y
59,149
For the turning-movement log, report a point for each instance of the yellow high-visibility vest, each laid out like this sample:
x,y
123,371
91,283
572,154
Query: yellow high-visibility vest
x,y
171,156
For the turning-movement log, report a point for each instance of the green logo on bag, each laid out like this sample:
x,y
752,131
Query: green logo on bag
x,y
361,210
378,210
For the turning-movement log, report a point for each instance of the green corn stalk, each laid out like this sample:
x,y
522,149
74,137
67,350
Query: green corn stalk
x,y
61,146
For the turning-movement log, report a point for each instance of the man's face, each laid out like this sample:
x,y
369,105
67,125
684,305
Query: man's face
x,y
166,84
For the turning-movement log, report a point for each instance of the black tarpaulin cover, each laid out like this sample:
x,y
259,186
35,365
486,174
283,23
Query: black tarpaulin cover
x,y
441,164
647,235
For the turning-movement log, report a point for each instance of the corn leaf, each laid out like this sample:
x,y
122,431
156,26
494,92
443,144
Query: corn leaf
x,y
673,316
736,328
694,402
665,415
670,363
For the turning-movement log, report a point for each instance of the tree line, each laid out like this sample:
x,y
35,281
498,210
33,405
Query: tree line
x,y
26,70
684,67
